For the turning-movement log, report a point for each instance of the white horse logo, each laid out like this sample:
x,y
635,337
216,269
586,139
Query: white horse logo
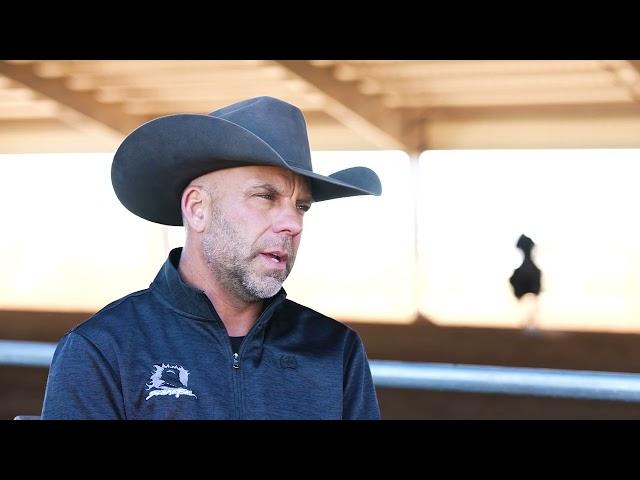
x,y
169,380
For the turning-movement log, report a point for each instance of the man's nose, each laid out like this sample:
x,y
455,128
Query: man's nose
x,y
288,220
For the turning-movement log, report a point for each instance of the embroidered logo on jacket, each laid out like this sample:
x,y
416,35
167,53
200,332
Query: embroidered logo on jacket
x,y
288,361
169,380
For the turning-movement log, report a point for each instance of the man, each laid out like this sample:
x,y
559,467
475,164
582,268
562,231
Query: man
x,y
214,337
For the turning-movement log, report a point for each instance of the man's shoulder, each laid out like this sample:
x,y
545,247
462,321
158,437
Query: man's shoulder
x,y
303,313
113,314
298,308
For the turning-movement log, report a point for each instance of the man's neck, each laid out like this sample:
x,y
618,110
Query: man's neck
x,y
237,315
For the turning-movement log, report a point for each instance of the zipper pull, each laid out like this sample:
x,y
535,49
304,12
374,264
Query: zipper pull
x,y
236,363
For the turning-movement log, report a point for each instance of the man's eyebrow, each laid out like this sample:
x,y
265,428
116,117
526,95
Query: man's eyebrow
x,y
270,188
266,186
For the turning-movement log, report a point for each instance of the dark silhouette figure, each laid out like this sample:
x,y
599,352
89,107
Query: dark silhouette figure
x,y
526,281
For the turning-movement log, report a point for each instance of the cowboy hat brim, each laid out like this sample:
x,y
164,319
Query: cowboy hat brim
x,y
156,162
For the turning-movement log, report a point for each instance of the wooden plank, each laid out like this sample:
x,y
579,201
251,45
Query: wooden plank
x,y
201,105
195,91
21,109
61,68
364,114
633,79
553,97
473,68
79,109
214,76
592,110
534,132
498,83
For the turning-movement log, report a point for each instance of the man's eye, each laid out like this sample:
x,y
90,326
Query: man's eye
x,y
304,208
266,196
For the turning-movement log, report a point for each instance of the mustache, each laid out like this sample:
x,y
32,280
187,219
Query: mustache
x,y
285,244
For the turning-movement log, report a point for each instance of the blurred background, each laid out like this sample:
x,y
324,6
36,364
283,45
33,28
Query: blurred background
x,y
471,154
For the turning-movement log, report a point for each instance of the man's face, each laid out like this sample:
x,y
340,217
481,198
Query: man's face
x,y
254,228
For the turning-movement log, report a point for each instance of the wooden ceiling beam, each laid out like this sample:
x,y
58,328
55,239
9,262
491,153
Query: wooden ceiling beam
x,y
364,114
214,77
78,109
611,109
167,106
498,99
633,78
466,68
62,68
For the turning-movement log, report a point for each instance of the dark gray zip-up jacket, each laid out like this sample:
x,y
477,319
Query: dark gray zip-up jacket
x,y
163,353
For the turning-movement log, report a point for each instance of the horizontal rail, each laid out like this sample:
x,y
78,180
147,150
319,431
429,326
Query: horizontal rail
x,y
28,354
544,382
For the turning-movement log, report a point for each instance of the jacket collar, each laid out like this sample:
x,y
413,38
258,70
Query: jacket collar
x,y
170,285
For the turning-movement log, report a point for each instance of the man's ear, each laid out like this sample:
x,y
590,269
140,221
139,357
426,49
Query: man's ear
x,y
194,208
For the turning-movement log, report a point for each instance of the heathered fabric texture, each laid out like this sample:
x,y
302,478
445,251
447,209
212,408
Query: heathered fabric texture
x,y
163,353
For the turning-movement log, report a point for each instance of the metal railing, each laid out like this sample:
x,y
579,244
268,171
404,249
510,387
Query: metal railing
x,y
27,354
435,376
508,380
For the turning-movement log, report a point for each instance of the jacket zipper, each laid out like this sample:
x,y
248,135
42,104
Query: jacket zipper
x,y
236,363
237,398
237,387
245,342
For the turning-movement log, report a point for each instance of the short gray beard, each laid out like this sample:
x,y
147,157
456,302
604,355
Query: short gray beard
x,y
229,258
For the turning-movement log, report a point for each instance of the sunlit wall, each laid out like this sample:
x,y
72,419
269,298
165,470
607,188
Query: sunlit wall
x,y
579,206
357,257
67,244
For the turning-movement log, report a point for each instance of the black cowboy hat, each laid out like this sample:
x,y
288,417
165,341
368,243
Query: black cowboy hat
x,y
156,162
